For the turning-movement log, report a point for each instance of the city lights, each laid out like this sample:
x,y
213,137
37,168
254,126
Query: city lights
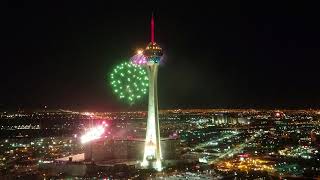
x,y
221,139
227,107
246,164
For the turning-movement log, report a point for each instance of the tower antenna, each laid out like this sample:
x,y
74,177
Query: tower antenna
x,y
152,28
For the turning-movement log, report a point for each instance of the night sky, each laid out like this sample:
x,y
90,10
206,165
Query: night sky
x,y
220,55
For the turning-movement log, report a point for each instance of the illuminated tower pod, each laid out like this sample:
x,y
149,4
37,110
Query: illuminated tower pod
x,y
152,150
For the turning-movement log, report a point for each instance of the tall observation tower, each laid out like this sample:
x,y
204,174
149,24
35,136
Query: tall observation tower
x,y
152,150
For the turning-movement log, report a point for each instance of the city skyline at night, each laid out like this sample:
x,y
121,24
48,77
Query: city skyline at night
x,y
224,91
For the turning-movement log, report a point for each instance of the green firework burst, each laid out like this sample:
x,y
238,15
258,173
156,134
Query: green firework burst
x,y
129,82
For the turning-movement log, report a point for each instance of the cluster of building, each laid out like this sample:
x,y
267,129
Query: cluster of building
x,y
278,143
23,156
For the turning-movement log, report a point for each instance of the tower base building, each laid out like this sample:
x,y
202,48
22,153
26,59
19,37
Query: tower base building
x,y
127,149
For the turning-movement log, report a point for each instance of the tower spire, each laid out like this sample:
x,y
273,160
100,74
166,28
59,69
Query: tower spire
x,y
152,28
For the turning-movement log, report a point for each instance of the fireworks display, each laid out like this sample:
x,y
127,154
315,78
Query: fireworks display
x,y
129,81
92,134
139,58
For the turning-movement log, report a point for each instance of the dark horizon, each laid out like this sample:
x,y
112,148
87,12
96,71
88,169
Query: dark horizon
x,y
217,56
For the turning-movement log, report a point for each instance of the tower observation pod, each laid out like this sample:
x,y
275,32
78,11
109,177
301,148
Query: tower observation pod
x,y
152,150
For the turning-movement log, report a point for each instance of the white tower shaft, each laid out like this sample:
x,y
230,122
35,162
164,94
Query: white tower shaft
x,y
152,151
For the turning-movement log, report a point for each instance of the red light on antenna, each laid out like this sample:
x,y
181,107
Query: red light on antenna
x,y
152,29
